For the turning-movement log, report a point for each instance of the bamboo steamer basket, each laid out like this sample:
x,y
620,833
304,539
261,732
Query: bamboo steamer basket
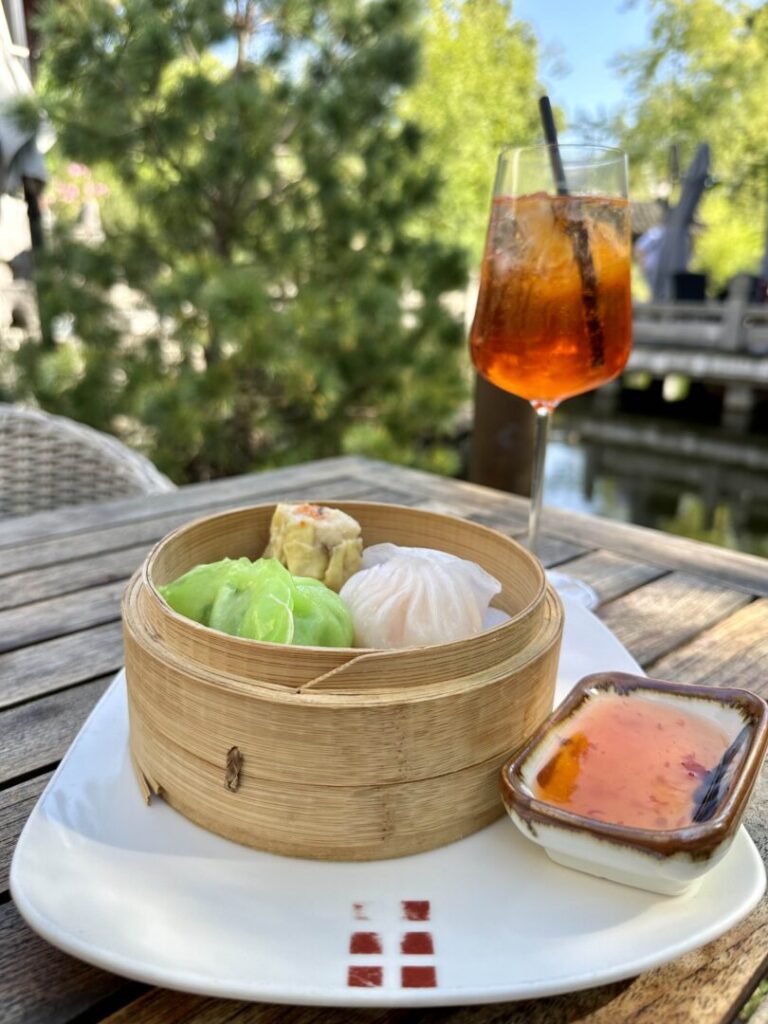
x,y
336,753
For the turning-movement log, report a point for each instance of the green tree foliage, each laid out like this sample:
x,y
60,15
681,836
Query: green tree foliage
x,y
704,76
477,92
262,187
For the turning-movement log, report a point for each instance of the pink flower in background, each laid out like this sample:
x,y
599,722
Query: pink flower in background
x,y
67,193
94,189
77,186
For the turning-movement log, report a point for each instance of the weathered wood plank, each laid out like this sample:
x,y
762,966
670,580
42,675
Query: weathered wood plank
x,y
39,984
34,736
163,1007
704,987
507,512
43,620
611,575
551,550
68,577
55,664
729,568
156,523
668,612
510,521
720,565
16,805
732,653
82,518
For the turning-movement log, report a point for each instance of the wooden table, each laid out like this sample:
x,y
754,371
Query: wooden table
x,y
686,611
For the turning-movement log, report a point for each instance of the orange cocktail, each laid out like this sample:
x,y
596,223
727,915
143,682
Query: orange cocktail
x,y
554,313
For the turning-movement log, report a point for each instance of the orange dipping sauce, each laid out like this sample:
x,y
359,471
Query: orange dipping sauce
x,y
629,760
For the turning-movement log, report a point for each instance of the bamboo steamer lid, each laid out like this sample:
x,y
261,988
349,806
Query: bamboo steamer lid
x,y
338,753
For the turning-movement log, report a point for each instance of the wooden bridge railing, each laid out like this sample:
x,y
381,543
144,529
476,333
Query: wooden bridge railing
x,y
732,326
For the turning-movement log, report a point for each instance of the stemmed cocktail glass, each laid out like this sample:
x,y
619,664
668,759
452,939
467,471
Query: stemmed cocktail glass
x,y
554,312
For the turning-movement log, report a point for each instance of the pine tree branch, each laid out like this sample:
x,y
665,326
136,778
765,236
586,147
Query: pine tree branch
x,y
244,25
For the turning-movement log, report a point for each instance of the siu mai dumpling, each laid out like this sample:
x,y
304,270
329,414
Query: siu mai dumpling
x,y
410,597
316,541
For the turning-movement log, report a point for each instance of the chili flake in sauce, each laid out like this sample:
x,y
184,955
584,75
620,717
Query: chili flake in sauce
x,y
632,761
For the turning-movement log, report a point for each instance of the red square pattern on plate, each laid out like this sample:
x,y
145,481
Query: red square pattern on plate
x,y
415,910
412,943
418,977
417,943
365,977
365,942
360,912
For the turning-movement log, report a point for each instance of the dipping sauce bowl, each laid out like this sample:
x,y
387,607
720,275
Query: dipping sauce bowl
x,y
637,780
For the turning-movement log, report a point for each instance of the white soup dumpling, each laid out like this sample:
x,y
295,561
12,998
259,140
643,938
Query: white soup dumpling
x,y
411,597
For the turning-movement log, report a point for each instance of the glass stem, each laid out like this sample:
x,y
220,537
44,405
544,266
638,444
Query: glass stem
x,y
543,419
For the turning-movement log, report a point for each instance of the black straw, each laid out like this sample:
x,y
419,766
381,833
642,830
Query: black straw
x,y
550,134
576,230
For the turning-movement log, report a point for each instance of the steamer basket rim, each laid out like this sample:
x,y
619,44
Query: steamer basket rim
x,y
354,652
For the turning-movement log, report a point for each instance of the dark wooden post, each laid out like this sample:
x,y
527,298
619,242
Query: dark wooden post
x,y
501,452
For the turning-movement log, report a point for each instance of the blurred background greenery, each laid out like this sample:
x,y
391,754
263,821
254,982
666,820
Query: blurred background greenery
x,y
289,196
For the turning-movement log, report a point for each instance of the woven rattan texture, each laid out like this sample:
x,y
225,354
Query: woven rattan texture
x,y
49,462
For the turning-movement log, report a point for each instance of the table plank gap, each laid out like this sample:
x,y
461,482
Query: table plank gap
x,y
122,996
703,987
747,993
759,1013
666,613
611,575
731,568
35,735
56,580
16,805
55,665
550,550
59,616
163,1007
40,984
733,652
554,551
33,773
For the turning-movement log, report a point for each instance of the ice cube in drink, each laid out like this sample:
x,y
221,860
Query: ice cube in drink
x,y
542,329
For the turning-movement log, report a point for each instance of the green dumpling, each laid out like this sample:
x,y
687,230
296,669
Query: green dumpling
x,y
261,600
193,594
258,604
321,619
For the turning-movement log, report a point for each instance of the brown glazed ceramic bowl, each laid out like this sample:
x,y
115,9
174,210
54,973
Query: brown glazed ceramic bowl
x,y
672,860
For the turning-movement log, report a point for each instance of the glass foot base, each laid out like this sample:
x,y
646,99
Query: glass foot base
x,y
573,589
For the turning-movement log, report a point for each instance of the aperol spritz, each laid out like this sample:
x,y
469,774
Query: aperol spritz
x,y
554,311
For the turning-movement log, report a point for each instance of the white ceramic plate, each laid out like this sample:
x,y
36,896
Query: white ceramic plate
x,y
142,892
